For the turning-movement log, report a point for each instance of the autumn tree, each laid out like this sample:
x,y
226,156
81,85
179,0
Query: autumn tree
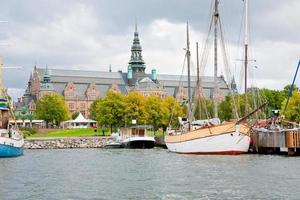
x,y
173,111
135,108
155,112
293,109
52,108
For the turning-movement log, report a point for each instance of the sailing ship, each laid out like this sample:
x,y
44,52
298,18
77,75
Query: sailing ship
x,y
11,139
210,136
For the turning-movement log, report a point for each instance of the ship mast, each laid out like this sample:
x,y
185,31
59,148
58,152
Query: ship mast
x,y
246,50
188,54
216,21
198,69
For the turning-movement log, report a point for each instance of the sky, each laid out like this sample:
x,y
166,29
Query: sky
x,y
93,34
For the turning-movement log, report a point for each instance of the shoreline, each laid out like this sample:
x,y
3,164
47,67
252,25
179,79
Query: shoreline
x,y
66,142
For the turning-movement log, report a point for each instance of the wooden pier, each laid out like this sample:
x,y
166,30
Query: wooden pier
x,y
285,141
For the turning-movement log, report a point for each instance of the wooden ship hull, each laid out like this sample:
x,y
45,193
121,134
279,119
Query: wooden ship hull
x,y
226,139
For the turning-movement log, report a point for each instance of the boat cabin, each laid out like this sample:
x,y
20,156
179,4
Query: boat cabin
x,y
136,131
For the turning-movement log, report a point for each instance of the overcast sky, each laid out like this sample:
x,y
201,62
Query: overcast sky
x,y
92,34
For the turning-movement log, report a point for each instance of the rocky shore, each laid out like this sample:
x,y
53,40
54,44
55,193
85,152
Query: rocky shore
x,y
66,143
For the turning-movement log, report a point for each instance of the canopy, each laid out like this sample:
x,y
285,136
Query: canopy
x,y
80,119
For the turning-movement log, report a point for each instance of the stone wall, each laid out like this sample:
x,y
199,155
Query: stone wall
x,y
66,143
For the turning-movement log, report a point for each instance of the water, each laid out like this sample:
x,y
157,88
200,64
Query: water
x,y
146,174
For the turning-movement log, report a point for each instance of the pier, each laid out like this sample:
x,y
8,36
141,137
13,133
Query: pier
x,y
286,142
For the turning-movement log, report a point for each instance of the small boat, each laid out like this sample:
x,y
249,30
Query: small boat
x,y
11,139
113,145
137,137
116,143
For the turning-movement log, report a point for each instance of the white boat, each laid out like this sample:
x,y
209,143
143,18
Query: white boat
x,y
115,143
208,137
137,137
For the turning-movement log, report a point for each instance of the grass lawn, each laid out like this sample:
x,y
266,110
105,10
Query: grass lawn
x,y
84,132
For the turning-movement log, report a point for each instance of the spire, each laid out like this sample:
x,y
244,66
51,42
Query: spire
x,y
109,67
46,84
34,69
47,77
233,85
136,61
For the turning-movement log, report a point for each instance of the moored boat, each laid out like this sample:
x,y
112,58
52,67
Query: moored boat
x,y
211,136
137,137
228,138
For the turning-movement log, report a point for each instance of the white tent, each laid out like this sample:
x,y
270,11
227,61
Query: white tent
x,y
79,122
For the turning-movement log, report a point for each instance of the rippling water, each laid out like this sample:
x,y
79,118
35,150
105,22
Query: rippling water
x,y
146,174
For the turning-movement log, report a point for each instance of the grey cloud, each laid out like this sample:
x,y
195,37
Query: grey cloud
x,y
95,33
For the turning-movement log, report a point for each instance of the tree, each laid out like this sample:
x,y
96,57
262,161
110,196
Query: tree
x,y
225,109
173,111
75,115
273,98
155,112
135,108
109,111
293,109
52,108
203,108
287,88
23,114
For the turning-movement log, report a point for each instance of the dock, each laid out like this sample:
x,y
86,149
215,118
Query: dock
x,y
281,142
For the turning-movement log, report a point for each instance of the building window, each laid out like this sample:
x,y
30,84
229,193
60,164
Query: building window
x,y
71,106
82,106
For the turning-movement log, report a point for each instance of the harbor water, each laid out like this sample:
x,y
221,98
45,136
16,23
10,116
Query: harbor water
x,y
146,174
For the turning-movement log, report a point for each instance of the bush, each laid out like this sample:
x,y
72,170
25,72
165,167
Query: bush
x,y
30,130
26,133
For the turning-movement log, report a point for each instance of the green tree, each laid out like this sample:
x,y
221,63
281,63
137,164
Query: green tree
x,y
203,108
155,111
273,98
225,109
287,88
51,108
135,108
75,115
173,111
293,109
93,109
23,114
109,111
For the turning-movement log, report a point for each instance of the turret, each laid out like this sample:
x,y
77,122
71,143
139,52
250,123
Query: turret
x,y
129,76
153,75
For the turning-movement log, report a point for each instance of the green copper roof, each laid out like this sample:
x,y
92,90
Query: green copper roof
x,y
46,83
136,61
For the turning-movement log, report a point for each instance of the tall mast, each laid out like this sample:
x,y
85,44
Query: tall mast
x,y
246,50
198,70
216,20
188,54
